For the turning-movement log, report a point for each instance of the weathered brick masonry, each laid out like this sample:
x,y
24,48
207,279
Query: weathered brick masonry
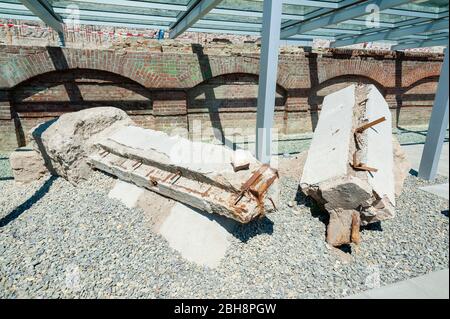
x,y
174,86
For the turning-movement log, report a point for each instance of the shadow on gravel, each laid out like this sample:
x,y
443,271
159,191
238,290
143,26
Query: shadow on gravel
x,y
257,227
302,199
346,248
9,178
19,210
373,227
242,232
37,135
445,213
317,212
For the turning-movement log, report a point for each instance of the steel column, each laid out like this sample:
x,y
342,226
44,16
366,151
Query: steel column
x,y
437,127
268,70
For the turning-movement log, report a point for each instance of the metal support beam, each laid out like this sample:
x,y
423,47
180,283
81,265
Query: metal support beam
x,y
394,34
395,25
45,12
138,4
339,16
316,4
437,127
421,44
268,69
198,11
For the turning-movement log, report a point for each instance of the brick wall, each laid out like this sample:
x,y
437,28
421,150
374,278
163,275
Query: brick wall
x,y
179,85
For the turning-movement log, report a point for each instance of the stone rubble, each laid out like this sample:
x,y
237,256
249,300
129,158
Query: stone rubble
x,y
66,143
355,168
27,165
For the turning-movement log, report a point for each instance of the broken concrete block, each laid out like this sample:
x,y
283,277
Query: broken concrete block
x,y
378,139
354,169
341,230
330,146
194,173
66,142
348,192
27,165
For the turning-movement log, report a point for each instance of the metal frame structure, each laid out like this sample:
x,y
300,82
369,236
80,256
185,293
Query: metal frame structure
x,y
437,127
43,10
405,23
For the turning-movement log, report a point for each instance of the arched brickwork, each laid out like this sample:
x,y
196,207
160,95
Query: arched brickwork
x,y
51,94
329,86
233,91
229,102
23,67
380,71
421,92
413,73
171,75
157,71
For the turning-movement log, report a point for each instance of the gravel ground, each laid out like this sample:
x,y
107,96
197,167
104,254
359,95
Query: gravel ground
x,y
58,241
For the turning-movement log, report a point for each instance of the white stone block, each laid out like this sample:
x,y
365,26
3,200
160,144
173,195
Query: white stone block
x,y
329,151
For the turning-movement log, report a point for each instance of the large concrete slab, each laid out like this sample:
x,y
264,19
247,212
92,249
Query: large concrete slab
x,y
200,238
351,169
127,193
329,151
379,149
152,160
207,159
432,286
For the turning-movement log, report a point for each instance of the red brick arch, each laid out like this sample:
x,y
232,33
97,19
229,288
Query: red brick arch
x,y
315,98
380,71
24,67
233,93
414,74
60,91
420,93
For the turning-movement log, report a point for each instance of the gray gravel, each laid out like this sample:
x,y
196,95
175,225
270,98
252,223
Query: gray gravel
x,y
69,242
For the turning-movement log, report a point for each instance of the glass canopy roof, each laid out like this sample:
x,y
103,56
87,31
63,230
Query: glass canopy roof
x,y
408,23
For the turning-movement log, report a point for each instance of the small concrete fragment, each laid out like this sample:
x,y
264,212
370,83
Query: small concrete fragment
x,y
240,160
380,209
343,227
356,176
66,143
339,230
27,165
